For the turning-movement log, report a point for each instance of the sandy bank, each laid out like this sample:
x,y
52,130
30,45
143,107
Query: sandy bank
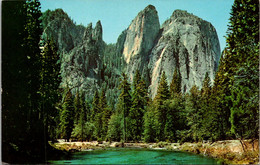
x,y
230,151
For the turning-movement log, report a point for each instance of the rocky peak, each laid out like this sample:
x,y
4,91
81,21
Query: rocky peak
x,y
139,39
88,32
187,43
146,23
81,49
181,13
97,33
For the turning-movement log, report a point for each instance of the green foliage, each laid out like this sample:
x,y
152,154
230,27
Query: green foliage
x,y
194,114
243,51
33,31
66,117
103,116
139,102
14,84
95,108
149,134
77,107
175,87
221,90
243,31
124,105
81,130
31,80
162,91
115,127
22,115
160,109
245,96
206,87
110,73
174,119
205,107
49,87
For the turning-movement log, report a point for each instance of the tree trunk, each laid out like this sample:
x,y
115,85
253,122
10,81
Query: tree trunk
x,y
241,141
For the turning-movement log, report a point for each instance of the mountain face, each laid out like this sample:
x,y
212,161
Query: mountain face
x,y
81,50
189,44
139,40
184,42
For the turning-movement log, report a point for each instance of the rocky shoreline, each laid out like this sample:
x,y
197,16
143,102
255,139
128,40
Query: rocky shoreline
x,y
228,151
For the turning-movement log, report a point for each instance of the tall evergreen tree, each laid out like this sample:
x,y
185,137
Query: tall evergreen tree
x,y
243,47
33,31
95,108
139,102
160,109
77,107
149,134
206,108
115,127
66,117
194,114
206,87
80,130
49,87
124,105
14,85
105,113
22,118
97,115
175,87
220,101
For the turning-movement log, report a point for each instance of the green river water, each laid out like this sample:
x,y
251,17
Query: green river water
x,y
133,156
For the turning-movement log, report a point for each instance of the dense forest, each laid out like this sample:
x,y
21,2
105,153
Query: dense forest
x,y
36,110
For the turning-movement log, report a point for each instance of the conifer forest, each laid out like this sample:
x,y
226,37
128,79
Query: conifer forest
x,y
40,104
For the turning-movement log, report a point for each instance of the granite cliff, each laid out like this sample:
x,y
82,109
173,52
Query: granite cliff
x,y
81,50
184,42
139,40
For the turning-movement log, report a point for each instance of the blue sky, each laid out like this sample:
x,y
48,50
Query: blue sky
x,y
116,15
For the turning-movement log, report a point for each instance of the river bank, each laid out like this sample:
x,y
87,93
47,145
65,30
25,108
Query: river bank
x,y
230,151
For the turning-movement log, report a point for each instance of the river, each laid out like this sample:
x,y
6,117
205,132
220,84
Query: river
x,y
133,156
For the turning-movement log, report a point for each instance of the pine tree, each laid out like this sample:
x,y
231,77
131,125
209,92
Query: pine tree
x,y
49,87
22,116
206,108
95,108
149,134
243,47
221,103
14,85
66,117
160,109
115,127
174,118
94,111
206,87
105,113
105,118
124,105
77,108
80,129
175,87
97,115
83,115
139,102
243,31
33,31
194,114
